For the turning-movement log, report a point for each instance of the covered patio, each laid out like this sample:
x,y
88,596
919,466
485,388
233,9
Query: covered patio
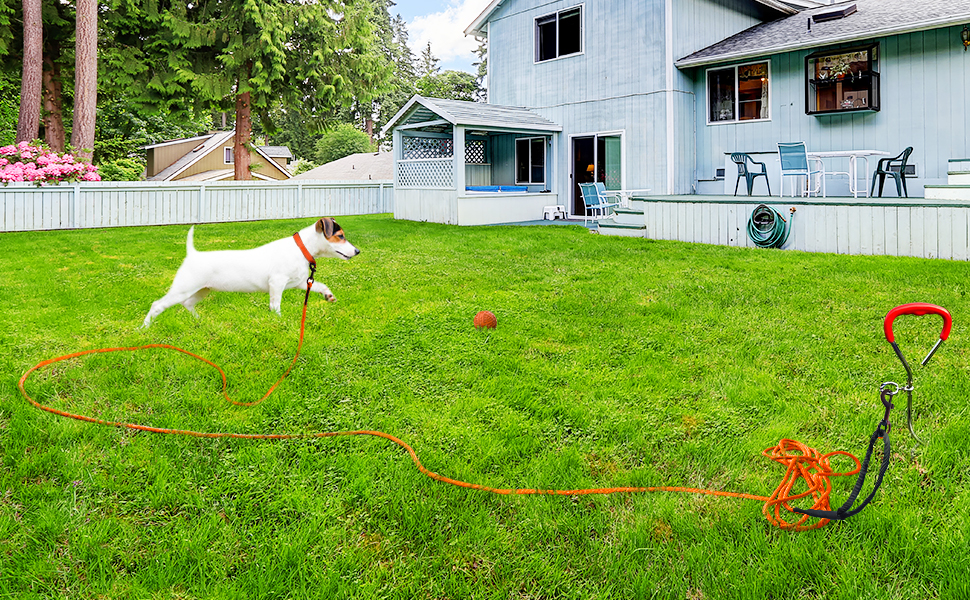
x,y
468,163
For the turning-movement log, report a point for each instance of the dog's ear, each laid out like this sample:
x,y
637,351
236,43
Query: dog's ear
x,y
325,226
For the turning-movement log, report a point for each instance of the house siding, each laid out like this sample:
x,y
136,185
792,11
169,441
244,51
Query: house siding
x,y
924,84
215,161
161,157
619,82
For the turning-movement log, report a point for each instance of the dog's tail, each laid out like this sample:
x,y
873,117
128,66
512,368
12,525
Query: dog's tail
x,y
189,243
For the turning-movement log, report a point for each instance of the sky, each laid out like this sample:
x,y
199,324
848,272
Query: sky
x,y
442,22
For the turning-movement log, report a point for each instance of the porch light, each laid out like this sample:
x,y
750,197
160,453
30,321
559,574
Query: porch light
x,y
965,36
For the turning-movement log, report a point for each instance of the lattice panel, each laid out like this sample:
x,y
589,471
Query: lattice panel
x,y
475,152
421,147
426,174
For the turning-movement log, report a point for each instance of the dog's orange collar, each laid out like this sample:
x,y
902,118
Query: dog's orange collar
x,y
306,253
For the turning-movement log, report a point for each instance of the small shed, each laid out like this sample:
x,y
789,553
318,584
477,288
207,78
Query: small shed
x,y
469,163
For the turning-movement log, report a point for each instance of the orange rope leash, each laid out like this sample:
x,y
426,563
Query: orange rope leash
x,y
801,462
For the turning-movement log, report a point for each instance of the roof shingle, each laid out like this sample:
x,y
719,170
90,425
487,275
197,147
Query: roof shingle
x,y
873,18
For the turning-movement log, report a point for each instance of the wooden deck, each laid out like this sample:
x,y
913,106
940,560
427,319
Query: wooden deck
x,y
843,225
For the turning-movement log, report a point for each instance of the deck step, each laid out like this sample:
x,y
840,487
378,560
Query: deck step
x,y
947,192
612,227
958,177
628,216
958,164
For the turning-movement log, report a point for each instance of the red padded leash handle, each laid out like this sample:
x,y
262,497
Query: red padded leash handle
x,y
919,309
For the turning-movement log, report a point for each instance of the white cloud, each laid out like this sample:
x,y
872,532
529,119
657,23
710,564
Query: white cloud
x,y
445,30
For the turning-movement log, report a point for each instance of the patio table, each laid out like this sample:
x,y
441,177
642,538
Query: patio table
x,y
853,173
623,196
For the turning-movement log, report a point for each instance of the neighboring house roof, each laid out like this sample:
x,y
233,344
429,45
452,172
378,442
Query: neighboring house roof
x,y
178,141
276,151
479,26
366,165
207,144
469,114
872,19
213,141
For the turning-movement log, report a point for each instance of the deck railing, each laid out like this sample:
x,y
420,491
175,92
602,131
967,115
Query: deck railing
x,y
123,204
426,173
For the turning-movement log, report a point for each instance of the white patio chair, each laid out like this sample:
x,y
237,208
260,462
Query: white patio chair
x,y
597,203
794,163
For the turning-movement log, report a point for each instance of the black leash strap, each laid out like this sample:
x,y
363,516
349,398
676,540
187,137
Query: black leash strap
x,y
886,393
882,431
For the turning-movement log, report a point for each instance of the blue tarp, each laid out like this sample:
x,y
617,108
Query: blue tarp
x,y
496,188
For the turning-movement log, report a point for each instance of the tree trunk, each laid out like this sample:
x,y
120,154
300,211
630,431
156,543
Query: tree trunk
x,y
244,132
85,78
53,107
28,123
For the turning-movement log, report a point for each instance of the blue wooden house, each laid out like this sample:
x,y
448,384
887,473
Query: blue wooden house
x,y
656,94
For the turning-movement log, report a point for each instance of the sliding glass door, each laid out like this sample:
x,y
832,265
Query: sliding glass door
x,y
595,158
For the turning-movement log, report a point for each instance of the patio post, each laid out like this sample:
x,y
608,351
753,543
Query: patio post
x,y
397,148
459,140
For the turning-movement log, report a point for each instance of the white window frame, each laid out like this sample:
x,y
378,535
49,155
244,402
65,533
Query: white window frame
x,y
582,34
227,155
737,95
545,160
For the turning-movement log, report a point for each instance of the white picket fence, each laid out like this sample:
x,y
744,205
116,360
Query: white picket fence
x,y
24,207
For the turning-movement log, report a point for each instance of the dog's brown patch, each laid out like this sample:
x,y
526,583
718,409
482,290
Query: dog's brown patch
x,y
326,226
337,237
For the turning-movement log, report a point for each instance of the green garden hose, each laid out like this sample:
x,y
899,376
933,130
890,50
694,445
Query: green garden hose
x,y
767,228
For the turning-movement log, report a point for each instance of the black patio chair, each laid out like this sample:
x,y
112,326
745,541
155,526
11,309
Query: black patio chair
x,y
894,167
742,160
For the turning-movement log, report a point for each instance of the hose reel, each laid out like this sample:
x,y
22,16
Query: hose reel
x,y
767,228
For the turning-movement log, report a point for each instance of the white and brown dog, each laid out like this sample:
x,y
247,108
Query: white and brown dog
x,y
272,268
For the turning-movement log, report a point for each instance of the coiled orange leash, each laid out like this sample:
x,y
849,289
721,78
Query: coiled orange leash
x,y
805,467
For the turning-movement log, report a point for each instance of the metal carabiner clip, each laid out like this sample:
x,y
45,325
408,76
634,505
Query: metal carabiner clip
x,y
915,308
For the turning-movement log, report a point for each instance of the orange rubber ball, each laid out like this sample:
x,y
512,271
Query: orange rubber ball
x,y
485,319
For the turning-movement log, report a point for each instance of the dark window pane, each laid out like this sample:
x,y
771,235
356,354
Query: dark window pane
x,y
546,38
570,32
538,160
522,160
720,85
753,91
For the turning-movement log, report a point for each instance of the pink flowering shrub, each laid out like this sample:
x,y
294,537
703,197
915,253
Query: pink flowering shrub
x,y
34,163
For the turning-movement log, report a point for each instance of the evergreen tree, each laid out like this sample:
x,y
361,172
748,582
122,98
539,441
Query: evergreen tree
x,y
85,78
393,35
428,63
7,24
28,123
481,74
450,85
9,108
262,53
342,141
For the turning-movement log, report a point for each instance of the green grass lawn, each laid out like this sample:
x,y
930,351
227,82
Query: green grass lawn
x,y
616,362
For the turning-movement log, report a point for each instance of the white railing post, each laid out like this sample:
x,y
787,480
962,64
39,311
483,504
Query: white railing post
x,y
459,175
75,205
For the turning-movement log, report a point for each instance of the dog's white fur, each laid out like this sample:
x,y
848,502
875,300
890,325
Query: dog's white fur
x,y
272,268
